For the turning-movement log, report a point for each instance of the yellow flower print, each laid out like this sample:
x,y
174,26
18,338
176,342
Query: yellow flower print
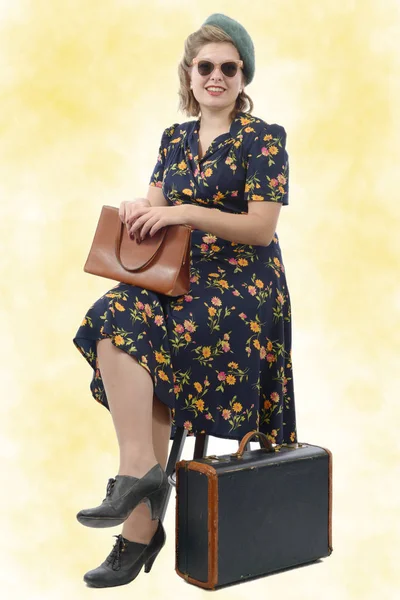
x,y
267,137
182,165
199,405
160,358
119,340
158,320
243,262
163,375
273,150
83,322
175,140
255,326
231,380
237,407
187,192
257,198
188,337
233,365
198,386
256,344
267,404
119,307
277,261
110,295
209,239
228,160
247,187
212,311
218,196
215,248
281,189
292,436
226,414
249,129
269,346
237,144
244,120
259,283
207,351
223,283
208,172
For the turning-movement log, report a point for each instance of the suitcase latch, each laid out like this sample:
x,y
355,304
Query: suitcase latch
x,y
214,458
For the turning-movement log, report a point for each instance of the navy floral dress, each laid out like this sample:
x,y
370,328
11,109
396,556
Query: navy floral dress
x,y
220,356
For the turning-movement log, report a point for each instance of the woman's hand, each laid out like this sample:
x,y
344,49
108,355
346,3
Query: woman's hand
x,y
126,211
149,219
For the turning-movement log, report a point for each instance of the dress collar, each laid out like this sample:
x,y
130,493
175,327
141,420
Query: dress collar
x,y
222,138
233,130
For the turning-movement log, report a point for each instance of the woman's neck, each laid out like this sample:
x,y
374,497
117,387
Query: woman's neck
x,y
212,120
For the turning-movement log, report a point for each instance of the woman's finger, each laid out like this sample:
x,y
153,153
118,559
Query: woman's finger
x,y
139,221
121,211
136,211
148,225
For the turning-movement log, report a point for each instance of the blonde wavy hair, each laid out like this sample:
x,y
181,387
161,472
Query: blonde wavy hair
x,y
187,102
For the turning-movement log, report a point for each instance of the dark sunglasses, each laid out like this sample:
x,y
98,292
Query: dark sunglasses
x,y
229,68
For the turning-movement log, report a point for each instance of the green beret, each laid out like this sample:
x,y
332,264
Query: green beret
x,y
241,39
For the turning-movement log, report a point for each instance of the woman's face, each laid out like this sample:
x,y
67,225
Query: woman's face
x,y
217,53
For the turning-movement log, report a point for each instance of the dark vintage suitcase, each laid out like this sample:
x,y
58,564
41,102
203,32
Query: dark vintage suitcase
x,y
253,512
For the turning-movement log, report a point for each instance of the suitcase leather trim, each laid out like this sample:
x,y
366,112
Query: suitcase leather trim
x,y
329,499
211,474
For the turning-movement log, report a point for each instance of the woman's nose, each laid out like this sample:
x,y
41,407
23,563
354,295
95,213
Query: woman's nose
x,y
217,73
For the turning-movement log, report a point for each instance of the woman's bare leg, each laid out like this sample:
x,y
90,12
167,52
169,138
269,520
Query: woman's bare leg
x,y
142,425
129,390
139,527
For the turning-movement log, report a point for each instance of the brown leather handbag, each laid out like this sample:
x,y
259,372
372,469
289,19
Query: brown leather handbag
x,y
160,263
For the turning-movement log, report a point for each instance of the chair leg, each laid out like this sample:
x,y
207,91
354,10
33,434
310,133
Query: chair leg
x,y
200,450
200,446
176,450
173,458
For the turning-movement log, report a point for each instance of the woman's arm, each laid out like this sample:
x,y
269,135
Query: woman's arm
x,y
257,228
156,197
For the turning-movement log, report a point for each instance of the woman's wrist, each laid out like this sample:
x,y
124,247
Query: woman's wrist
x,y
188,214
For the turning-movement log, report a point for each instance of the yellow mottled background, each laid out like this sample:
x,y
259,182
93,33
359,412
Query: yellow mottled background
x,y
86,89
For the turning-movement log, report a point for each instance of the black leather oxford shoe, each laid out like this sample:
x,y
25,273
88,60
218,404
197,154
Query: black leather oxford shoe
x,y
123,494
126,560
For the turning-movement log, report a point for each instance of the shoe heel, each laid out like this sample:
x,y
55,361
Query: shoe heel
x,y
155,501
150,562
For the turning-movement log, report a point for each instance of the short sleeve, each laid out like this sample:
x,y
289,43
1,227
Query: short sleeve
x,y
267,176
156,178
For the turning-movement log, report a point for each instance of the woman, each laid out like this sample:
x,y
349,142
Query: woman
x,y
219,358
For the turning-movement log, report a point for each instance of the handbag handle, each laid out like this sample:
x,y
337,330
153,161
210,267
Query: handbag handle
x,y
147,259
267,444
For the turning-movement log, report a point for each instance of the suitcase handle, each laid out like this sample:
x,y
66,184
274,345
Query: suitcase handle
x,y
267,444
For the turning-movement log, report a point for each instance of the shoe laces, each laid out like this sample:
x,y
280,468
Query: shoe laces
x,y
114,558
110,487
